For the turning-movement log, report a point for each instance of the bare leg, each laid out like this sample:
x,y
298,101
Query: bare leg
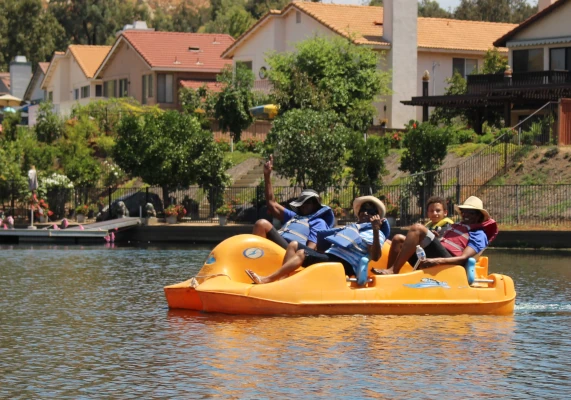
x,y
287,268
290,252
262,227
396,246
415,236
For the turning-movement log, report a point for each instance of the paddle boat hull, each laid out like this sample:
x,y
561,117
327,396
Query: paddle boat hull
x,y
222,286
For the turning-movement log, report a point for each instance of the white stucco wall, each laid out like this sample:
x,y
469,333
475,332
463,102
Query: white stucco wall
x,y
37,91
556,24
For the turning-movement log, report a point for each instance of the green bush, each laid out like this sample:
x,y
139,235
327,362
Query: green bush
x,y
487,138
462,136
222,144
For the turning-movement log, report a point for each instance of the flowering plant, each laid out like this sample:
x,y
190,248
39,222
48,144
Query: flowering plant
x,y
225,210
56,181
93,207
175,210
41,208
392,208
82,209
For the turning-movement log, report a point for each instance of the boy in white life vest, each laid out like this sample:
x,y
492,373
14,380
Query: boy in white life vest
x,y
463,240
301,225
438,223
349,245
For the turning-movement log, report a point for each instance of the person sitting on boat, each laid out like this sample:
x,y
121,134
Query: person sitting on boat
x,y
438,223
462,241
301,225
350,245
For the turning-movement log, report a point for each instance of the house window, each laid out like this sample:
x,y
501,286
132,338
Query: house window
x,y
123,88
244,64
76,94
150,86
298,17
109,89
51,96
98,90
85,92
165,88
464,66
528,60
560,59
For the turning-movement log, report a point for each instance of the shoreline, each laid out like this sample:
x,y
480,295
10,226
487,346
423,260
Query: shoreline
x,y
209,233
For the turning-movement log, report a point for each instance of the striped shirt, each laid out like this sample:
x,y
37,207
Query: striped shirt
x,y
351,254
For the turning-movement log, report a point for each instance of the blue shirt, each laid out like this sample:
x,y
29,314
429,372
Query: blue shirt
x,y
351,255
315,225
478,240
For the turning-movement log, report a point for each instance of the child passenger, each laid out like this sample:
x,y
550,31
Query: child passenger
x,y
439,222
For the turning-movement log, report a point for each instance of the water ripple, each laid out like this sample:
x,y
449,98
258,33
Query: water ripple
x,y
93,323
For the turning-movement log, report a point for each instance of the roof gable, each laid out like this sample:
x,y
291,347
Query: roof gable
x,y
502,41
89,58
179,50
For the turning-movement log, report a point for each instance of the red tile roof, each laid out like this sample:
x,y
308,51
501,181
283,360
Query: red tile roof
x,y
364,25
178,50
197,84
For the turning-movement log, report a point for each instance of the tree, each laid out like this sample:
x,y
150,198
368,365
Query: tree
x,y
431,9
170,150
329,74
232,18
27,29
307,146
376,3
186,17
259,7
49,126
494,62
425,147
514,11
232,108
367,160
200,103
456,86
95,22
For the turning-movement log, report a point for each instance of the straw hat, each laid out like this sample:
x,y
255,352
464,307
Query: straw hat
x,y
473,203
359,201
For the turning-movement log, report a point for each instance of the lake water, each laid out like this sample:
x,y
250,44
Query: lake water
x,y
92,322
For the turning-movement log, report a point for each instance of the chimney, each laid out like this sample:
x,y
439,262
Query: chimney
x,y
543,4
20,76
136,26
400,19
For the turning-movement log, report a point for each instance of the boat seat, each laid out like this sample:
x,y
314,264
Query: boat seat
x,y
471,272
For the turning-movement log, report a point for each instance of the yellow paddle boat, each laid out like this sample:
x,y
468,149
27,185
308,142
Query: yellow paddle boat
x,y
223,286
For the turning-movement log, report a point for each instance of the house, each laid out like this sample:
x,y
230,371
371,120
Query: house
x,y
539,54
411,45
34,93
152,66
69,79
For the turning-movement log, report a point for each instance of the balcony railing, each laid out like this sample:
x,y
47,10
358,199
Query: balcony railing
x,y
479,84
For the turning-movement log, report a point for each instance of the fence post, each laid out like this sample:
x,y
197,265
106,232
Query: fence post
x,y
517,203
457,185
109,195
13,200
146,195
505,156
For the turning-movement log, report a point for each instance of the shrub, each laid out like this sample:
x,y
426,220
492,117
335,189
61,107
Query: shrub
x,y
82,209
223,144
462,136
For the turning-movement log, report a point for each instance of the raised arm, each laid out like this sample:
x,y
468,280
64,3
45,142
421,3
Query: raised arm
x,y
375,248
274,208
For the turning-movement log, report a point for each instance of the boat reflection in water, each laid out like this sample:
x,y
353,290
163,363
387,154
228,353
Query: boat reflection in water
x,y
374,352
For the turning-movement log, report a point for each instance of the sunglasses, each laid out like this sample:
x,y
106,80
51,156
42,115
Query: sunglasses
x,y
370,211
472,212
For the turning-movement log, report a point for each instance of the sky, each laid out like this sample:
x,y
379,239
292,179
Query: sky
x,y
446,4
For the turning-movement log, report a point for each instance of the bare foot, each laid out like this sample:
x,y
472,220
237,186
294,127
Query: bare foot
x,y
388,271
255,277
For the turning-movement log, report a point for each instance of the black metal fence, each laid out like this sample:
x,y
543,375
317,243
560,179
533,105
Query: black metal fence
x,y
529,205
